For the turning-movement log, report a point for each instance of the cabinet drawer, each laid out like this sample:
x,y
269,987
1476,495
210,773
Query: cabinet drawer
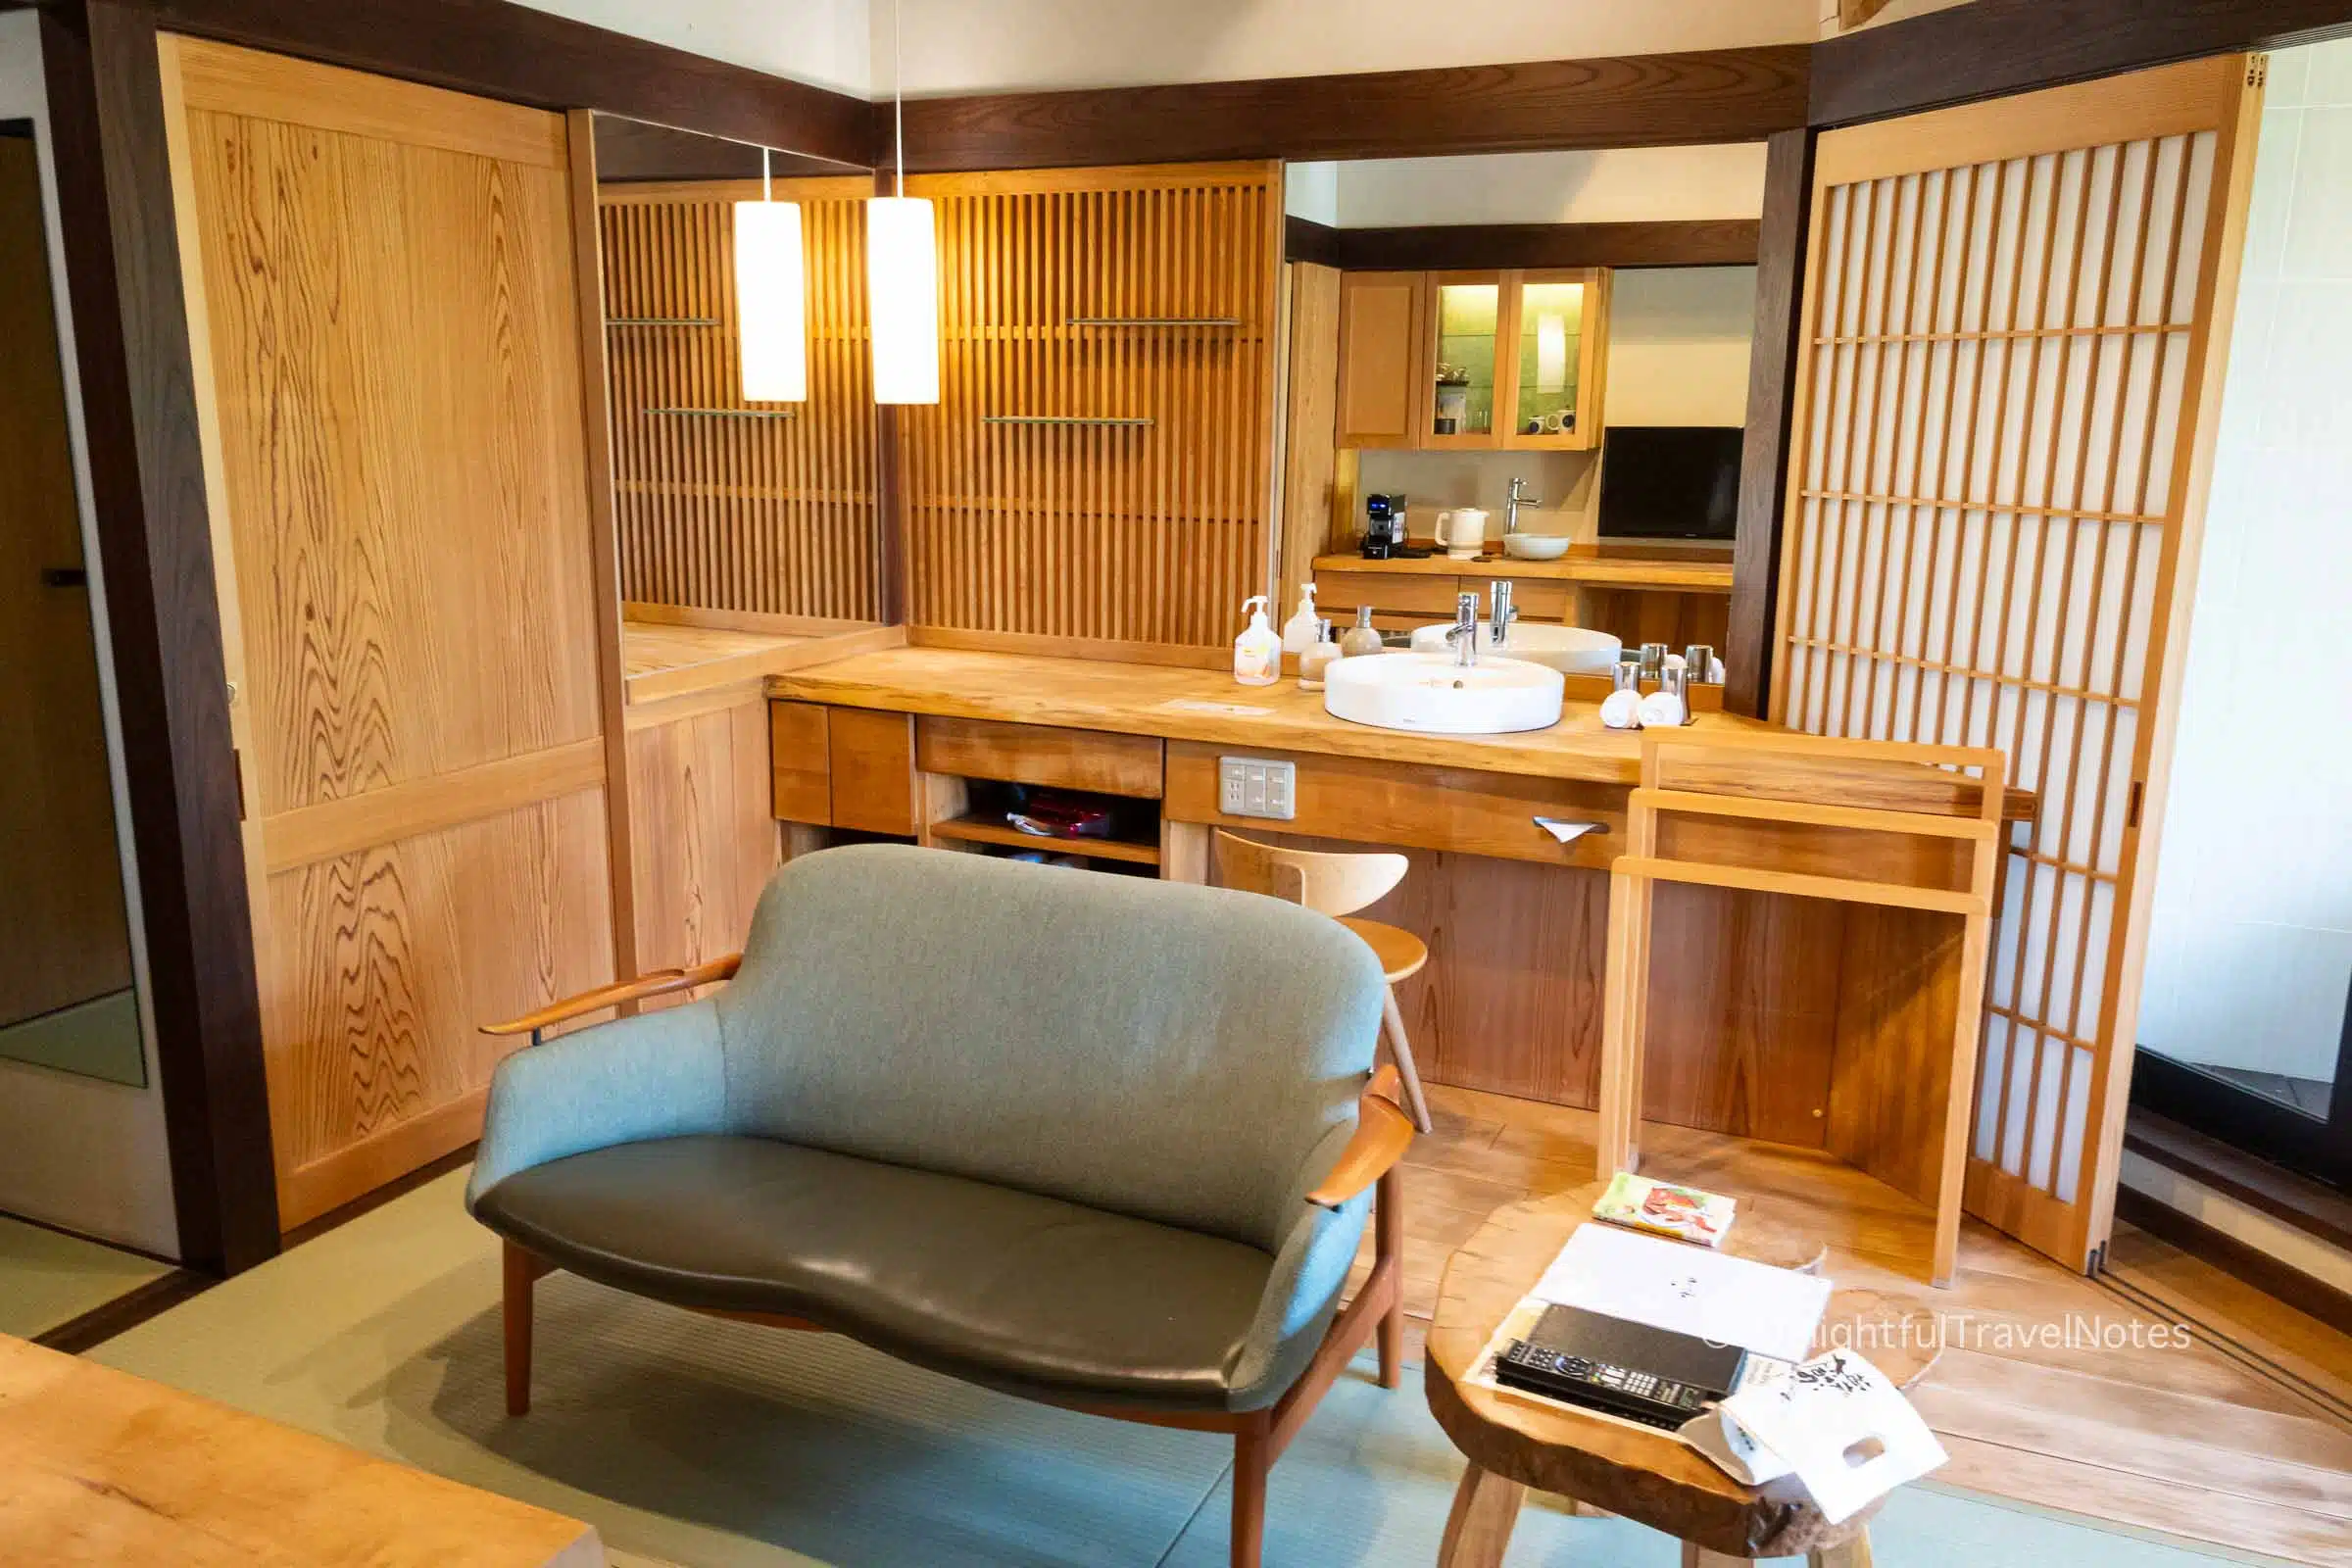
x,y
801,761
1395,592
1536,597
873,770
1039,753
1411,805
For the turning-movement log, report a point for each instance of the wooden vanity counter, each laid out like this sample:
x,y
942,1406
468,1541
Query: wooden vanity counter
x,y
1693,573
1770,1013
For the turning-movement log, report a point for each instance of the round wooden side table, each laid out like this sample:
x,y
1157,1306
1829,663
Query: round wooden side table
x,y
1607,1466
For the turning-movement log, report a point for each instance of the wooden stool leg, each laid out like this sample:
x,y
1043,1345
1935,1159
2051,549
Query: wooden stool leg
x,y
1701,1557
1479,1530
520,1270
1253,1457
1387,1252
1400,1052
1855,1554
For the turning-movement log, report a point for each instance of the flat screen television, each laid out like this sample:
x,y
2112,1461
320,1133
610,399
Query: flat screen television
x,y
1669,481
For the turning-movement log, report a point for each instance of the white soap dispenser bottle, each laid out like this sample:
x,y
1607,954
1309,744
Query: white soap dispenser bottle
x,y
1256,651
1299,632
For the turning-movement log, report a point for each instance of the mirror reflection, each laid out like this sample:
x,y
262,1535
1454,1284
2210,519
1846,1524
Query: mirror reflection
x,y
1516,403
742,419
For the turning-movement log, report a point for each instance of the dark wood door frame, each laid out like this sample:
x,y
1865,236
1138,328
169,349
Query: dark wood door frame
x,y
1990,48
138,396
1707,95
497,49
1771,402
1701,242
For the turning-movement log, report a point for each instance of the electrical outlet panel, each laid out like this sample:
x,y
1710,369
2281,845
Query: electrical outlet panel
x,y
1250,787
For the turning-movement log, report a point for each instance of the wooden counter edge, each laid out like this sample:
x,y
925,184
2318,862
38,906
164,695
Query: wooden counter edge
x,y
1696,576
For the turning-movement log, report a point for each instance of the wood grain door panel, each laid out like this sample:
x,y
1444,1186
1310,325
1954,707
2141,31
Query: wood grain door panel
x,y
383,304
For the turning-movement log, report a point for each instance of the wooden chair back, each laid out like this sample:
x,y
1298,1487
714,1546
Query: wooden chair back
x,y
1328,884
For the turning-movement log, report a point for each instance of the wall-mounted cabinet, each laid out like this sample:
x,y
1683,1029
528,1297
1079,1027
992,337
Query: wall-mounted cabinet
x,y
1507,359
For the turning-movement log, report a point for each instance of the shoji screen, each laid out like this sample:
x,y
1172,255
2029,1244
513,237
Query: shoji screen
x,y
721,505
1099,465
2013,330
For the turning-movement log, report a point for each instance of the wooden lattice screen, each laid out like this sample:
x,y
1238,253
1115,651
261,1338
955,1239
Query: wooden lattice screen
x,y
720,503
2015,318
1099,465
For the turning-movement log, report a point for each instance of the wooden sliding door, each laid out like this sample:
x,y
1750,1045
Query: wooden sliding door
x,y
2015,321
1099,467
724,504
382,307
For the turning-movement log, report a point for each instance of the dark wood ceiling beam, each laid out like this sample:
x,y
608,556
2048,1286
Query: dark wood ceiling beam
x,y
1701,242
502,50
1711,95
1990,47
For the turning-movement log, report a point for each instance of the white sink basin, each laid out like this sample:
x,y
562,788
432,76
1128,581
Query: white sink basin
x,y
1429,694
1570,650
1535,546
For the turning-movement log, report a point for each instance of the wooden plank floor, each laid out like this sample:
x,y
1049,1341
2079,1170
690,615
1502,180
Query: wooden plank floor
x,y
2242,1436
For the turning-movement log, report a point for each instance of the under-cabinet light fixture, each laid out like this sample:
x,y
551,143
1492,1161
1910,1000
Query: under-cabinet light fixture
x,y
901,272
771,295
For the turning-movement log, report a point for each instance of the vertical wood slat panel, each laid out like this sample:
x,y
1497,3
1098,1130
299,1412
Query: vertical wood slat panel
x,y
774,516
1132,534
2010,317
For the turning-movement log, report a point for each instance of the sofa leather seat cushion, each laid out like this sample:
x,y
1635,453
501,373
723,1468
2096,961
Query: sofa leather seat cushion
x,y
1032,1294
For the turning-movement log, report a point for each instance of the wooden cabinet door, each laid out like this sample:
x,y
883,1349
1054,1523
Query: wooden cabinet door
x,y
383,311
1380,358
1555,355
1463,390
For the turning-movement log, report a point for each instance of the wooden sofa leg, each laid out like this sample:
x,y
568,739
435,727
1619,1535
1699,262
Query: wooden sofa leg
x,y
520,1270
1252,1458
1388,1242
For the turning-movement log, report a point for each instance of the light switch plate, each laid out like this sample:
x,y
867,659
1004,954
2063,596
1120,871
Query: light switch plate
x,y
1249,786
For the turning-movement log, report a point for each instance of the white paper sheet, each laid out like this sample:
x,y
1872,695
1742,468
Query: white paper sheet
x,y
1566,832
1689,1290
1850,1434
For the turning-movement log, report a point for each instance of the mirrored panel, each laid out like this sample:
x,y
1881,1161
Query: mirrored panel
x,y
746,514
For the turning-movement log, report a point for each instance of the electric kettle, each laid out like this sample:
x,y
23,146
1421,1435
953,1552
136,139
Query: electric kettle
x,y
1462,532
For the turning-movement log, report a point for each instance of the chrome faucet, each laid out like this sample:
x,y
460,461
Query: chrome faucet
x,y
1518,498
1463,633
1499,616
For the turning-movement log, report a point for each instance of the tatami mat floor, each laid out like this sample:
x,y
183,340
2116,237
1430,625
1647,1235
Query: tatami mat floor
x,y
48,1278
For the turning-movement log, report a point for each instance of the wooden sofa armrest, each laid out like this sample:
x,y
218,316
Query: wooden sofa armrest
x,y
660,982
1384,1130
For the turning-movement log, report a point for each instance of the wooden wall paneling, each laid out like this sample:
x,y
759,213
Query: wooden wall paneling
x,y
1773,352
1991,47
768,510
70,938
1629,100
1100,468
138,393
699,781
2014,318
604,540
526,56
1310,415
378,648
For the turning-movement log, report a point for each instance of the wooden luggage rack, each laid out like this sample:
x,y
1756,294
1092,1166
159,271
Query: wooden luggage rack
x,y
1909,843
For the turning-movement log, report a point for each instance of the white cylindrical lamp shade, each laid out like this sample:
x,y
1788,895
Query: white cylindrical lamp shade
x,y
771,302
901,277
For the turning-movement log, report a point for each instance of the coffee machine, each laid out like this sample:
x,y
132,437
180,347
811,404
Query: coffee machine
x,y
1384,526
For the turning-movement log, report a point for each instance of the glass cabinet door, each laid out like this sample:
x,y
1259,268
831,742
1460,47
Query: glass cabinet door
x,y
1553,321
1465,314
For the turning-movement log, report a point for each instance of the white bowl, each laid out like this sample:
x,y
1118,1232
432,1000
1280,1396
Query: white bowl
x,y
1535,546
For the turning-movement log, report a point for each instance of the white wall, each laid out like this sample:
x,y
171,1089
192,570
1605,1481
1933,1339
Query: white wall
x,y
1678,345
818,41
995,45
1621,185
2251,946
76,1151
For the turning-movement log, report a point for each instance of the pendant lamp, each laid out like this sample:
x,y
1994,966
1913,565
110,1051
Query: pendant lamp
x,y
902,274
771,297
